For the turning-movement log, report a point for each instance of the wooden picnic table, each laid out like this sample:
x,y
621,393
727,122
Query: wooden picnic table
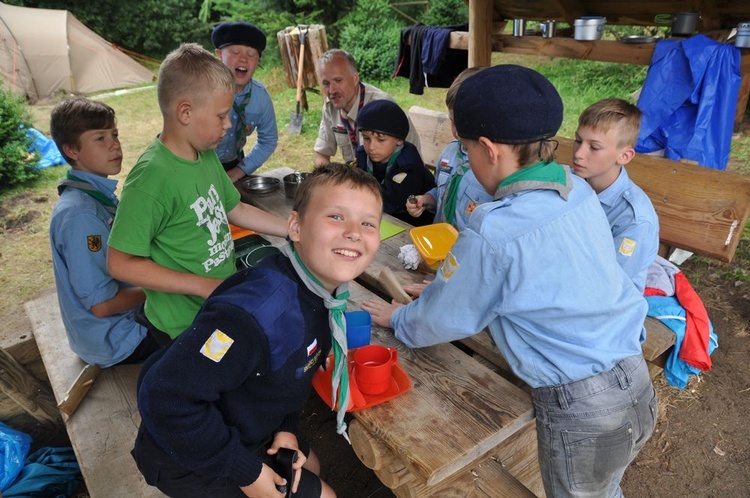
x,y
430,440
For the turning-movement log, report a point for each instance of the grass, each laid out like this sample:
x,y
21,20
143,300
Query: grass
x,y
26,268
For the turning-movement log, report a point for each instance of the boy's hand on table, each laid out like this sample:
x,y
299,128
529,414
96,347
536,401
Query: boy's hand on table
x,y
235,174
265,485
381,311
415,289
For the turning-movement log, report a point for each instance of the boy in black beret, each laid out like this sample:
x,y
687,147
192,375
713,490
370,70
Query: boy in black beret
x,y
393,161
240,46
537,267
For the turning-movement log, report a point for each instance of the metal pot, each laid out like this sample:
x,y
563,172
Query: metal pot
x,y
684,23
743,35
292,182
519,27
548,29
589,28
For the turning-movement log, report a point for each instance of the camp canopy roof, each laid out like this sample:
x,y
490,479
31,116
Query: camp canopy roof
x,y
43,51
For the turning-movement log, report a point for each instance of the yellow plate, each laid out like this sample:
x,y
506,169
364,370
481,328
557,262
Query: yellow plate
x,y
434,241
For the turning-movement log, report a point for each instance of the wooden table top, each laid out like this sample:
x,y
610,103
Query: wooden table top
x,y
457,411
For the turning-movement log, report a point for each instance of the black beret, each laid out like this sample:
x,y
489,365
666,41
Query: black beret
x,y
238,33
383,116
508,104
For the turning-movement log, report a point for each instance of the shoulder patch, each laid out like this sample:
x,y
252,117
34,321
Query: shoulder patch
x,y
217,346
627,246
94,242
400,177
449,266
445,165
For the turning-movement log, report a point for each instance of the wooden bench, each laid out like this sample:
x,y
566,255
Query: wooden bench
x,y
700,210
103,429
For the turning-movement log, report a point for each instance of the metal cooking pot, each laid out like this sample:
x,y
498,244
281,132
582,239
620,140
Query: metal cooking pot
x,y
589,28
292,182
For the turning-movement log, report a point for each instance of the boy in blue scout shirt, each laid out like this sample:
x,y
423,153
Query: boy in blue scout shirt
x,y
240,46
97,310
219,403
536,267
393,161
604,144
458,192
171,235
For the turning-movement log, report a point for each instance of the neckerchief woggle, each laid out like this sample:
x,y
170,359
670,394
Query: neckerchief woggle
x,y
345,119
451,194
240,138
336,307
73,181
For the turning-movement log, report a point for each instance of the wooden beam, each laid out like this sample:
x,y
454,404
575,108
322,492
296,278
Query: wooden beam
x,y
26,390
480,32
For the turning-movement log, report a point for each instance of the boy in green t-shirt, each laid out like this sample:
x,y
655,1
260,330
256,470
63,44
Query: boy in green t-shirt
x,y
171,234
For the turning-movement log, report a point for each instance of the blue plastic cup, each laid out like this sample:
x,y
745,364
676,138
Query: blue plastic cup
x,y
358,325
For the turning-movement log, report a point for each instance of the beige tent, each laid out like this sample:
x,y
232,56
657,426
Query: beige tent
x,y
43,51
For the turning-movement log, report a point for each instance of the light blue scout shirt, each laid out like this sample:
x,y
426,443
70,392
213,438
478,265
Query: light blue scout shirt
x,y
635,227
260,116
79,230
470,191
539,271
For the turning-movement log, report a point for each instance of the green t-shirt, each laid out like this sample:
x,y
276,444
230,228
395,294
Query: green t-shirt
x,y
173,211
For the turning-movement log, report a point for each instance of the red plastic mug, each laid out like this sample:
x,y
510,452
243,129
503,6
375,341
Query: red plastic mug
x,y
372,368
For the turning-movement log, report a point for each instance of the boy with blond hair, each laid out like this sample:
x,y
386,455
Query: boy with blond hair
x,y
98,311
223,402
171,235
458,192
604,143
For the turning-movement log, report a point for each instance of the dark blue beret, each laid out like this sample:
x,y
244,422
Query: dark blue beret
x,y
238,33
383,116
508,104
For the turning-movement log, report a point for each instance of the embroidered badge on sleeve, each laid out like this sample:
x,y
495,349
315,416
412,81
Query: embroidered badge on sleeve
x,y
217,346
400,177
94,242
627,246
449,266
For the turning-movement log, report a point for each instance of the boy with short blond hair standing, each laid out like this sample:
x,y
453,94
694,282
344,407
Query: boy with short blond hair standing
x,y
171,235
604,143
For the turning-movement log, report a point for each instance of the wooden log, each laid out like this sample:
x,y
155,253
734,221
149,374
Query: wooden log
x,y
368,448
393,286
26,390
395,475
460,485
78,390
480,32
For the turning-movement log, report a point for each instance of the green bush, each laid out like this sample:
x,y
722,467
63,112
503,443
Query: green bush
x,y
445,13
371,33
17,166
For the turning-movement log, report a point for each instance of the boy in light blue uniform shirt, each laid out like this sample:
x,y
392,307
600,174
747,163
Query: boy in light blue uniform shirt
x,y
240,45
458,192
604,144
536,267
97,310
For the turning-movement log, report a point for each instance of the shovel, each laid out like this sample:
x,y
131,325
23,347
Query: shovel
x,y
295,122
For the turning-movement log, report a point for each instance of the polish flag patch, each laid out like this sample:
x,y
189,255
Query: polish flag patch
x,y
312,347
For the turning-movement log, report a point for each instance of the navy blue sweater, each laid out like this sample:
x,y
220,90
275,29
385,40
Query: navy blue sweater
x,y
413,179
213,415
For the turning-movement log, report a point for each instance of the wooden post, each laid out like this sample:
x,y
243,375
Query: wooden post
x,y
26,390
480,32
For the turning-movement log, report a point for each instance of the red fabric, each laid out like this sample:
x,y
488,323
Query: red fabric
x,y
694,349
653,291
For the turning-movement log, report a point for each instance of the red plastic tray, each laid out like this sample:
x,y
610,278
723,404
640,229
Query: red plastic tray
x,y
400,383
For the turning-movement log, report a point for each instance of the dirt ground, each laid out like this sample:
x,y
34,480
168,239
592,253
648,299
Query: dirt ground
x,y
701,446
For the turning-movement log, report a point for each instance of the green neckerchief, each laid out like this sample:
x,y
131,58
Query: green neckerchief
x,y
550,176
73,181
388,165
239,134
336,307
451,194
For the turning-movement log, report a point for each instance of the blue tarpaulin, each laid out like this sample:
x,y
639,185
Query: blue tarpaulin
x,y
689,100
49,155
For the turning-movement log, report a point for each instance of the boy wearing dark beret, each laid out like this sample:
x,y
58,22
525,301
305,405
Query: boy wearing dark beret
x,y
393,161
536,267
240,46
